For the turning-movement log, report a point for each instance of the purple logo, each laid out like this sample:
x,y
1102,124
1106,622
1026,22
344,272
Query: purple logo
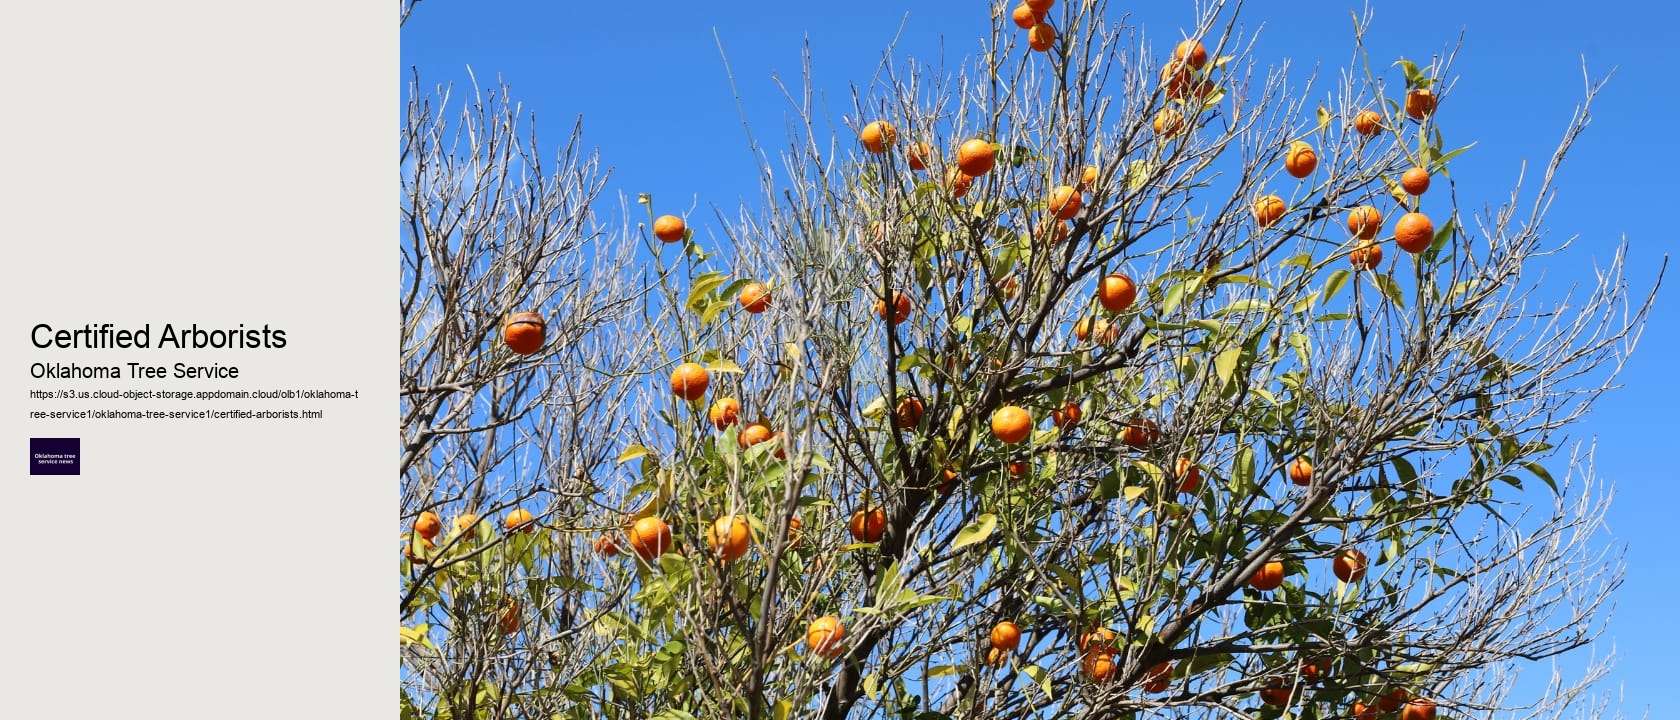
x,y
55,456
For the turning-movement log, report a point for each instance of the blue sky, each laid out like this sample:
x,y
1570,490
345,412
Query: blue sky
x,y
650,85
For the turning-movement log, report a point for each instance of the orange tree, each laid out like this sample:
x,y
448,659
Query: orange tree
x,y
1100,378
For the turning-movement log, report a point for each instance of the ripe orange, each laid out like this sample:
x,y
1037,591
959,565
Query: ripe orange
x,y
1414,232
919,153
1268,209
901,308
824,636
754,434
1065,202
428,525
729,537
878,136
1361,711
1008,286
1025,17
975,157
1349,566
781,444
1052,231
1268,577
909,412
1392,700
508,621
1300,471
868,525
1068,416
689,381
1104,332
1189,476
1169,122
1041,6
950,483
669,228
523,332
1192,53
1006,636
1309,671
1368,255
1364,222
1420,104
1011,424
1100,666
1088,178
1275,692
650,537
755,298
606,545
1415,181
1099,640
996,657
1041,37
426,547
1368,123
1116,292
1418,708
1019,468
724,412
464,523
1140,433
1158,677
519,519
1300,160
1176,77
957,182
793,533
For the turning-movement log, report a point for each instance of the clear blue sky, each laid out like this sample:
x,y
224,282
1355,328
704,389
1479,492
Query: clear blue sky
x,y
649,84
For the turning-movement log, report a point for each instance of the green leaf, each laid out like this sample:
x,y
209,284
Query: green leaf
x,y
1041,677
632,452
1334,283
1389,288
1540,471
976,531
1225,365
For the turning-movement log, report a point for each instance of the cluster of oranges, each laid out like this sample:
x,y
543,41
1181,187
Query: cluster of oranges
x,y
1030,16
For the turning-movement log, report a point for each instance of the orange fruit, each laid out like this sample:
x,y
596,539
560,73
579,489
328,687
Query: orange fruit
x,y
1300,471
724,412
950,483
901,308
1268,209
1364,222
958,182
523,332
1368,255
1191,53
1088,178
975,157
1300,160
781,447
1068,416
755,298
729,537
754,434
1116,292
1008,286
1040,6
428,525
1309,671
909,412
1169,122
1006,636
650,537
996,657
1025,17
1392,701
1415,181
1189,476
1011,424
669,228
1100,666
793,534
1420,104
1414,232
1041,37
1019,468
824,636
1099,328
508,620
878,136
1368,123
465,522
519,519
1176,77
426,547
1052,231
1158,677
919,154
1349,566
1268,577
1275,693
868,525
1065,202
689,381
1140,433
1418,708
1361,711
606,545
